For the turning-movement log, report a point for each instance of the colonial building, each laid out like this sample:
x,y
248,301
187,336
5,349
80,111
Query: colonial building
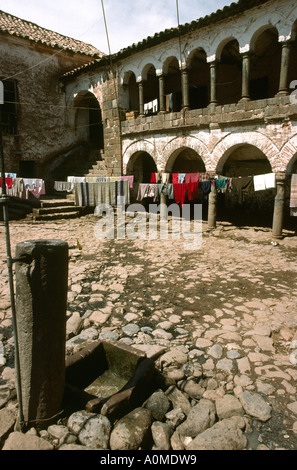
x,y
32,59
214,96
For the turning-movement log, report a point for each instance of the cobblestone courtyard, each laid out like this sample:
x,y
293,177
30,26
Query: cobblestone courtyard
x,y
231,305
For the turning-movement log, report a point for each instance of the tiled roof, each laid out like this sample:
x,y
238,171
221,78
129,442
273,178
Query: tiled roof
x,y
15,26
220,15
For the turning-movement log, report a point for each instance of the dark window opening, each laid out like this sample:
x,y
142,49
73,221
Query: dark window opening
x,y
9,110
259,88
27,169
199,97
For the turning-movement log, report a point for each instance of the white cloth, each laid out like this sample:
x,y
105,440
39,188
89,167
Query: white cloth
x,y
259,182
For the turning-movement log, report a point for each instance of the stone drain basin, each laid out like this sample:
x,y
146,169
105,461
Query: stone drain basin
x,y
108,377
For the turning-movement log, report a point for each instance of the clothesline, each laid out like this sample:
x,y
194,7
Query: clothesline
x,y
22,187
92,194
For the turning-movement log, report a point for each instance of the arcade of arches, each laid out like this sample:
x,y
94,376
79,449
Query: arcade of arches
x,y
263,72
241,161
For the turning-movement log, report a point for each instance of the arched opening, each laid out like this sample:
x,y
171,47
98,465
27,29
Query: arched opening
x,y
199,80
246,160
265,61
141,165
133,93
172,85
185,160
244,205
229,74
150,89
88,120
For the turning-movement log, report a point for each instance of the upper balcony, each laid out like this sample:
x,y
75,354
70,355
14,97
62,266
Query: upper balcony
x,y
277,110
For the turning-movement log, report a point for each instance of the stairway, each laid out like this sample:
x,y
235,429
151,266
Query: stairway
x,y
56,208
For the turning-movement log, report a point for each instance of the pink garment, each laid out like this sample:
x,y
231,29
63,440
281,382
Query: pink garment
x,y
192,177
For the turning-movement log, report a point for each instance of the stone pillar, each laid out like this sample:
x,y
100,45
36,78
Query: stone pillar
x,y
278,214
161,94
212,207
41,274
284,71
213,82
185,89
141,102
163,207
245,93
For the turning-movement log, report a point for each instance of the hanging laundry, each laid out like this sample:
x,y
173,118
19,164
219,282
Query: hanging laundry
x,y
130,178
166,189
8,182
205,188
147,190
174,178
192,177
165,177
293,195
270,180
180,190
259,182
204,177
153,178
63,186
193,190
221,184
243,185
181,177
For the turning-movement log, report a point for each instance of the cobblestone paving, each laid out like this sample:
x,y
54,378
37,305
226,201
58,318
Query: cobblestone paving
x,y
231,304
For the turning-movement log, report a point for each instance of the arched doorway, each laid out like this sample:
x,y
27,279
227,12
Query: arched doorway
x,y
229,74
199,80
172,86
88,120
243,205
141,165
265,61
185,160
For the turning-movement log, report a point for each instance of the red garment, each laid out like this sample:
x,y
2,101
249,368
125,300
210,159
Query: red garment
x,y
180,190
192,177
153,178
8,182
175,178
193,190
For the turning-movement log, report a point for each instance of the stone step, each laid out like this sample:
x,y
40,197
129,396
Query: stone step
x,y
58,215
55,209
56,203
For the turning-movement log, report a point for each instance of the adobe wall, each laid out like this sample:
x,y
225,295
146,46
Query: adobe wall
x,y
42,133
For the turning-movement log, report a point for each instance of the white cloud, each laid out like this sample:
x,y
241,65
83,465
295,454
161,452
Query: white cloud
x,y
128,21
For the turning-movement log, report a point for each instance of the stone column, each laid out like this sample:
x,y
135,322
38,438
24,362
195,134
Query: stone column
x,y
284,71
141,102
245,93
41,274
185,89
163,207
161,94
278,214
212,207
213,83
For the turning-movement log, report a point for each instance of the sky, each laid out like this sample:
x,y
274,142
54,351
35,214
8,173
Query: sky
x,y
127,21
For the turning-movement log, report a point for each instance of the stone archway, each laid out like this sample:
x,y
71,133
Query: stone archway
x,y
229,143
173,148
88,120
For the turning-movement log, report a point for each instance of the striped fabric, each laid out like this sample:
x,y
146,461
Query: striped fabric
x,y
293,197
